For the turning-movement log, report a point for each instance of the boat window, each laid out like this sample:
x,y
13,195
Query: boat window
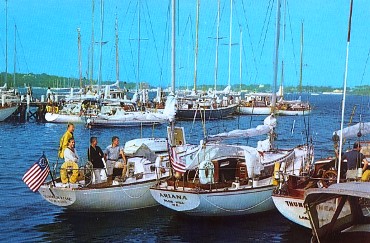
x,y
326,210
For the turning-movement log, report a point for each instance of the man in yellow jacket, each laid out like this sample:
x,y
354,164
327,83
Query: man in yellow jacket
x,y
64,140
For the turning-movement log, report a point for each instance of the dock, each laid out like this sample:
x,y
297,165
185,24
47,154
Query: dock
x,y
32,111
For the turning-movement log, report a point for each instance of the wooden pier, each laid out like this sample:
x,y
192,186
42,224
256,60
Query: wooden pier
x,y
32,111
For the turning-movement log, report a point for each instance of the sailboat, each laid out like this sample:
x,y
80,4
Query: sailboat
x,y
227,180
146,165
8,106
289,195
205,106
295,107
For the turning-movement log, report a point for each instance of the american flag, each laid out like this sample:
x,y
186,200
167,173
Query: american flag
x,y
37,174
177,164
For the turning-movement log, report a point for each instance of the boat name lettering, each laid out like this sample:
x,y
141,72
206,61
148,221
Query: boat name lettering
x,y
58,198
294,204
169,195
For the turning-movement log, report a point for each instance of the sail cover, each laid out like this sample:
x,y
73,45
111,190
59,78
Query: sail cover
x,y
269,123
352,131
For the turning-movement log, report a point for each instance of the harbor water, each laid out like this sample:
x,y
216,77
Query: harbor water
x,y
26,217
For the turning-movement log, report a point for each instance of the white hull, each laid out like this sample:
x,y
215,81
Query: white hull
x,y
102,122
292,209
254,110
7,112
112,199
293,113
63,118
224,203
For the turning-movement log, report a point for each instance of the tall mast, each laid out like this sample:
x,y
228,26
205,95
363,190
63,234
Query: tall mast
x,y
301,65
217,42
230,34
79,55
101,42
196,47
276,56
344,90
92,43
117,57
15,53
240,59
6,42
173,66
138,49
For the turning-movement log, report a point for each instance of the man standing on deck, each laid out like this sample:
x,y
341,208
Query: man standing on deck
x,y
112,154
96,156
64,139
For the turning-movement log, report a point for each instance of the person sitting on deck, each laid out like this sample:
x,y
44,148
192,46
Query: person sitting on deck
x,y
70,153
354,161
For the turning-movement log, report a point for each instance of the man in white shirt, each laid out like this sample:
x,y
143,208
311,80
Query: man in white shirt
x,y
113,153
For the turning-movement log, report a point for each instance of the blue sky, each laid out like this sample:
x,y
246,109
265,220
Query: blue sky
x,y
46,40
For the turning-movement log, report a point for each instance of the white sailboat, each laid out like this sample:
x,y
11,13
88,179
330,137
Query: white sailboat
x,y
289,196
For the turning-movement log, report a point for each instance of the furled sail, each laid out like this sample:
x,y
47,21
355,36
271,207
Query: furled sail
x,y
353,131
268,124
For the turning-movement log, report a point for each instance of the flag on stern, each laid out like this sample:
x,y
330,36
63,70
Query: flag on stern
x,y
177,164
37,174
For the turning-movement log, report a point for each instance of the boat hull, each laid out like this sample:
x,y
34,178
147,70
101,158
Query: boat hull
x,y
293,112
292,209
62,118
254,110
208,114
113,199
230,203
7,112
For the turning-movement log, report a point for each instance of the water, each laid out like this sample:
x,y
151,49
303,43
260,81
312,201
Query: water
x,y
26,217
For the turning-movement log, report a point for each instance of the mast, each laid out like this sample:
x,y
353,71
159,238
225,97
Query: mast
x,y
217,43
15,53
92,43
196,47
276,56
79,55
344,91
101,42
240,59
230,34
6,42
301,65
117,57
138,49
173,66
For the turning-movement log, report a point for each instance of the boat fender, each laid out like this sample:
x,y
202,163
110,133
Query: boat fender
x,y
206,172
69,169
276,178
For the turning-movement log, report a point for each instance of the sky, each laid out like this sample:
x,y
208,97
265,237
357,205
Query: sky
x,y
44,35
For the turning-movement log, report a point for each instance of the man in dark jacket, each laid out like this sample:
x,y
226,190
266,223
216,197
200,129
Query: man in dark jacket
x,y
96,156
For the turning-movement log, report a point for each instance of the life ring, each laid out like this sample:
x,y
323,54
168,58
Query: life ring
x,y
206,172
69,168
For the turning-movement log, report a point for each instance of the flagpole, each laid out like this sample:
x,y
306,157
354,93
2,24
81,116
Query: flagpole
x,y
51,174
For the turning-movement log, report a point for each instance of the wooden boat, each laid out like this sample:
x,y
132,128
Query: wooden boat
x,y
206,108
340,212
227,180
293,108
224,185
288,196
